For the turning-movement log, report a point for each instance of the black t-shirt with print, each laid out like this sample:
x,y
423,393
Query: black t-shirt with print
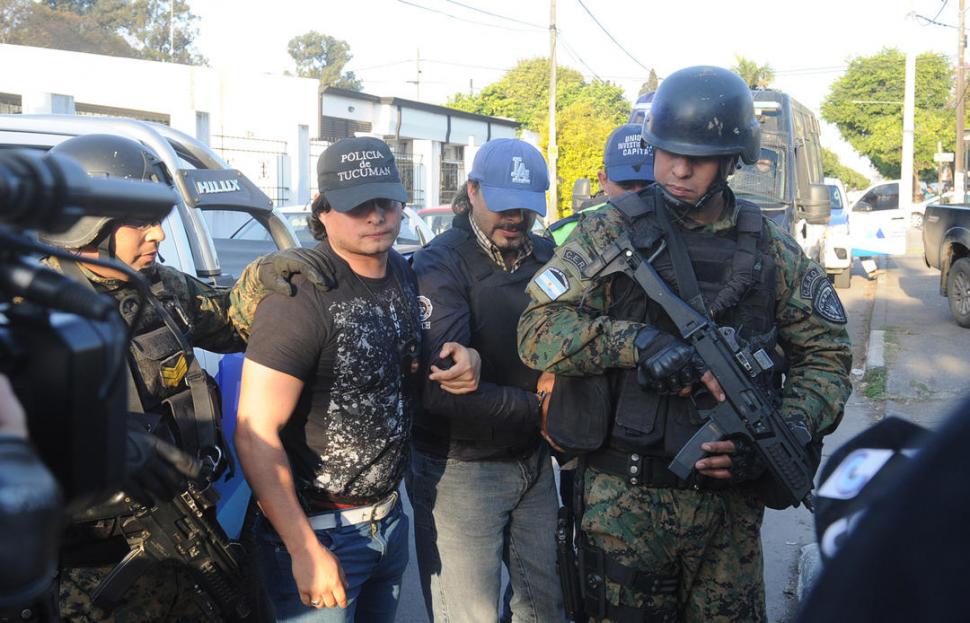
x,y
347,440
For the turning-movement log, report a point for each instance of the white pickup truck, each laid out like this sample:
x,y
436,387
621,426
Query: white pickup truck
x,y
213,199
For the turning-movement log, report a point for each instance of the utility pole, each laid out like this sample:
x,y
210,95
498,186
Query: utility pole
x,y
553,152
960,165
909,109
417,78
171,31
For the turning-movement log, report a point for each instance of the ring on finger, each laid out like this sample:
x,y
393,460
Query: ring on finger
x,y
315,603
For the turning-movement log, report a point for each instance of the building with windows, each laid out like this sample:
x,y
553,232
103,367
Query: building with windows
x,y
271,127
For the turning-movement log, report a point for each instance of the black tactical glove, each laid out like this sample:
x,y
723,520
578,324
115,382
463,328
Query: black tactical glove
x,y
746,462
156,471
277,269
665,364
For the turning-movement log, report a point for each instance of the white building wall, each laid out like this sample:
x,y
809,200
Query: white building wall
x,y
238,103
429,153
348,108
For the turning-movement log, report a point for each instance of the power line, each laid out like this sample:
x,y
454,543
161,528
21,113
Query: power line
x,y
461,19
575,55
926,21
511,19
612,38
941,10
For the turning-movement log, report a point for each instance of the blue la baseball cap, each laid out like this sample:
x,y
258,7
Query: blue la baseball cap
x,y
512,175
627,158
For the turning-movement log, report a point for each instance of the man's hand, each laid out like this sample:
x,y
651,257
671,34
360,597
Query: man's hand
x,y
710,383
718,464
156,471
13,421
276,270
463,376
544,387
319,577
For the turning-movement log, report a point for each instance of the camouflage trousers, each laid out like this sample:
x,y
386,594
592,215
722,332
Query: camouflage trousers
x,y
710,540
163,594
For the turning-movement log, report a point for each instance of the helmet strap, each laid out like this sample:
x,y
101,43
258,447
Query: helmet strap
x,y
106,242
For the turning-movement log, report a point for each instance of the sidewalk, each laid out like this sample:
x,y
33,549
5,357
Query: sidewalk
x,y
915,366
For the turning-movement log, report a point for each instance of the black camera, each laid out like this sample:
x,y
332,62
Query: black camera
x,y
62,345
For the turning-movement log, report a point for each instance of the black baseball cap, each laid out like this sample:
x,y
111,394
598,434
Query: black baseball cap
x,y
354,171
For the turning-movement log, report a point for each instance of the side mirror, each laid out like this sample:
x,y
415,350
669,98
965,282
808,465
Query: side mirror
x,y
862,206
817,207
581,192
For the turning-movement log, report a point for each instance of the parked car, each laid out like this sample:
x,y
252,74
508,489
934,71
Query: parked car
x,y
438,218
877,222
836,252
946,246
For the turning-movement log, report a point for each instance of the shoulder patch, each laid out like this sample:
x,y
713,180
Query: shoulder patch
x,y
826,303
576,260
425,308
809,281
553,282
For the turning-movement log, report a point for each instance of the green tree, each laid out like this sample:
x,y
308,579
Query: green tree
x,y
523,93
757,76
650,85
136,28
833,167
23,22
323,57
866,105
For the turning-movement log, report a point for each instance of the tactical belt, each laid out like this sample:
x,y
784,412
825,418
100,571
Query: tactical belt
x,y
637,469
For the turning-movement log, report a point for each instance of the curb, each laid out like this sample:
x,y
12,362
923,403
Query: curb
x,y
809,566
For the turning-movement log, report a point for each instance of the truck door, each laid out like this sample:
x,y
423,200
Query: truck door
x,y
877,224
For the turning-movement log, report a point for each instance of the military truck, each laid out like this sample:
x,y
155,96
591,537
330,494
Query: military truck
x,y
787,182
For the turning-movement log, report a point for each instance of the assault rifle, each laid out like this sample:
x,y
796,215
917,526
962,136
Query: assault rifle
x,y
184,531
746,411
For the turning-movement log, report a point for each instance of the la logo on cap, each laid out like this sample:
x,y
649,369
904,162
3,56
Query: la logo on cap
x,y
520,174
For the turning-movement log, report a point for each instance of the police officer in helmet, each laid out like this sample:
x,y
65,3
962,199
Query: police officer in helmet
x,y
702,558
168,392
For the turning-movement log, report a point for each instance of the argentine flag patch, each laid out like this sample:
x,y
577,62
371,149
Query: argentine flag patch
x,y
553,282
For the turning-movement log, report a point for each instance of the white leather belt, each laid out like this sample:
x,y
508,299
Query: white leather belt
x,y
351,516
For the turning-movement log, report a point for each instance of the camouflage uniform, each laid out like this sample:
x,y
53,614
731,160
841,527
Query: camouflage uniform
x,y
164,593
709,538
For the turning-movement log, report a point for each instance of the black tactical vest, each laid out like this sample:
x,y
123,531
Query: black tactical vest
x,y
170,394
496,299
736,277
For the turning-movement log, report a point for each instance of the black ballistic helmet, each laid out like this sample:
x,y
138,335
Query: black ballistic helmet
x,y
105,155
704,111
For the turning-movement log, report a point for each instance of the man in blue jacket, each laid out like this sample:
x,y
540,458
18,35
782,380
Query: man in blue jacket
x,y
481,479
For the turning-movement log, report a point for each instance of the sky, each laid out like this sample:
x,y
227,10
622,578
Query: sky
x,y
462,48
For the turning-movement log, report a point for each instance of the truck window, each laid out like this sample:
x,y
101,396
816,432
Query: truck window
x,y
238,239
764,181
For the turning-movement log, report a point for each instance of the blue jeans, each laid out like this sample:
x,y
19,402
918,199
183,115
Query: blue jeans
x,y
372,564
469,517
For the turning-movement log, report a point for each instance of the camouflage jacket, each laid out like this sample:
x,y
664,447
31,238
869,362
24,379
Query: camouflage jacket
x,y
207,308
573,335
